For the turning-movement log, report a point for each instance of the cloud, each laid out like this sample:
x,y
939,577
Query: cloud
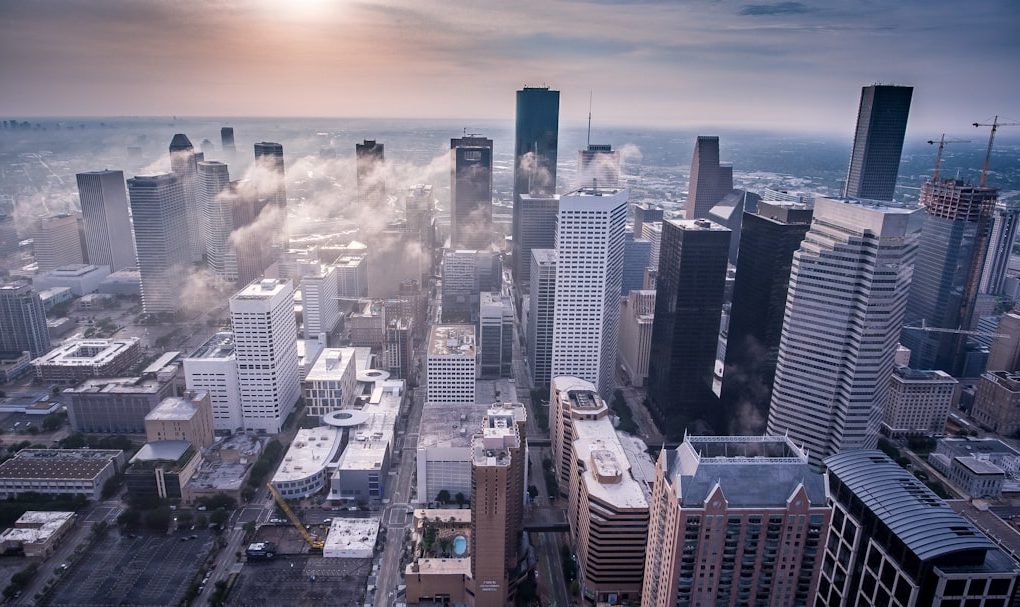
x,y
778,8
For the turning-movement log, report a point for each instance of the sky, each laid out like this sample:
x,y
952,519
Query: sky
x,y
788,65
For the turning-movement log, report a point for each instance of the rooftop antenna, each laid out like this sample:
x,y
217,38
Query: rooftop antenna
x,y
589,118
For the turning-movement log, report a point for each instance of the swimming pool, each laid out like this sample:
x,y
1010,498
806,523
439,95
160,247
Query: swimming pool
x,y
459,545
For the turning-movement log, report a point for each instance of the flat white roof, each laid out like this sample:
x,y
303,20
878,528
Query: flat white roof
x,y
174,408
607,474
262,289
331,363
455,340
311,450
86,352
351,537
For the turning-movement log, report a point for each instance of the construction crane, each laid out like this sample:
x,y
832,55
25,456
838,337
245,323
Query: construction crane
x,y
995,124
925,327
938,157
312,541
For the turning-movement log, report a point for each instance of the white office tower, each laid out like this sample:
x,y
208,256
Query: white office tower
x,y
216,217
542,306
213,368
451,365
104,209
265,344
589,274
319,300
848,291
56,242
352,275
652,232
161,239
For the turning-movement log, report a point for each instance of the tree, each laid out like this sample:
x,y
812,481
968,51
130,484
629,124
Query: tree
x,y
532,491
158,519
459,498
215,502
52,422
184,519
249,526
219,517
443,496
202,520
130,518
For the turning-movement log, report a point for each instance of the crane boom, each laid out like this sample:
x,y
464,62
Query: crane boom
x,y
995,124
313,542
938,156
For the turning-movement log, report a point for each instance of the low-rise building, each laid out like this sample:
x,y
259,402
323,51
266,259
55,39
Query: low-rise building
x,y
161,469
351,538
368,325
80,278
54,296
444,449
331,382
82,359
997,403
305,468
918,403
125,283
187,418
38,534
974,476
115,406
225,468
14,365
451,365
59,471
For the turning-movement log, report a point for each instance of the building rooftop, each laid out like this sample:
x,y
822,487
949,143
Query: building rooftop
x,y
980,466
607,470
219,346
117,385
698,225
165,360
87,352
911,511
752,471
449,425
354,534
977,446
73,270
331,364
175,408
58,463
498,435
908,374
312,449
34,526
162,451
461,566
262,289
452,340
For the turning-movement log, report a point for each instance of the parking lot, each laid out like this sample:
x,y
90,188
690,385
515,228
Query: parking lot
x,y
148,569
289,581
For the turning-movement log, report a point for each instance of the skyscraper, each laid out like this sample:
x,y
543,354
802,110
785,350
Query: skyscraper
x,y
536,229
599,164
22,320
495,335
371,183
269,156
104,209
498,470
56,242
227,139
184,163
950,257
535,150
878,142
265,345
685,332
847,295
768,240
1000,247
589,275
161,239
541,309
471,192
217,215
709,182
637,254
735,520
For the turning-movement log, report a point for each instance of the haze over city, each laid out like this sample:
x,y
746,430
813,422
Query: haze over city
x,y
574,303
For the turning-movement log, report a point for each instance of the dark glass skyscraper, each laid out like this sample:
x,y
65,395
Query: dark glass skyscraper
x,y
471,192
227,139
184,163
270,156
878,142
768,240
954,239
370,156
685,333
535,147
709,182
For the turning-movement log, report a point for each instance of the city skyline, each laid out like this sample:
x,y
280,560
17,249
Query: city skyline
x,y
670,64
